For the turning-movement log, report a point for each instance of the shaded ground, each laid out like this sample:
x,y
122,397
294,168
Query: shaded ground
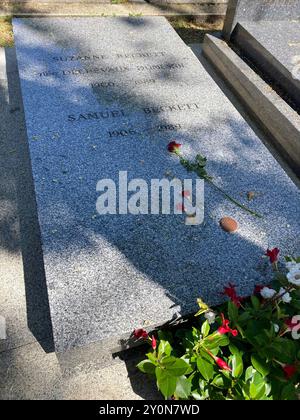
x,y
193,31
6,35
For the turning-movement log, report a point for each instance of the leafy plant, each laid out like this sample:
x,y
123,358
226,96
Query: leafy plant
x,y
246,349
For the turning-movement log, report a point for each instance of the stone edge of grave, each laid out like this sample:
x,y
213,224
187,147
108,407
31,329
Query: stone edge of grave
x,y
272,113
264,61
136,8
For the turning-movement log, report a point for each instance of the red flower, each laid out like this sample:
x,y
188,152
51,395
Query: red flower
x,y
225,327
153,342
140,333
174,147
258,288
231,293
289,371
273,255
222,364
290,324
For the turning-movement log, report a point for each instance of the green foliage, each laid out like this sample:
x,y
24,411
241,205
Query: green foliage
x,y
261,362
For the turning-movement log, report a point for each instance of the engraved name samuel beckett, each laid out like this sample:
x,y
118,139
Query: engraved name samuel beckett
x,y
157,196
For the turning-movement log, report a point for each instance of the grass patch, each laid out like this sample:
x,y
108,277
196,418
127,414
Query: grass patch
x,y
6,33
193,31
118,1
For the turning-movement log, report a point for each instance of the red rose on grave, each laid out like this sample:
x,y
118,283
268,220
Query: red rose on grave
x,y
272,254
289,371
222,364
224,329
153,342
174,147
140,333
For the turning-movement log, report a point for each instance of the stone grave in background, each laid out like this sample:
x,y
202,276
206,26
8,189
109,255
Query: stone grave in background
x,y
258,10
104,95
265,73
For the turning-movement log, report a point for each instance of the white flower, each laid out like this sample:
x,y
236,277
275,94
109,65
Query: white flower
x,y
210,316
276,328
285,296
292,265
268,293
294,276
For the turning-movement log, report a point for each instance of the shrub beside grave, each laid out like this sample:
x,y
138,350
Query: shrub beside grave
x,y
246,349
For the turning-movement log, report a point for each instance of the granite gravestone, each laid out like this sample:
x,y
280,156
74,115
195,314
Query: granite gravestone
x,y
275,51
257,10
103,95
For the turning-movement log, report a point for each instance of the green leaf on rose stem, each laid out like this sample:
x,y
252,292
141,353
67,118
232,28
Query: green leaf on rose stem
x,y
260,365
201,160
164,348
146,366
183,387
237,365
255,302
175,366
205,329
166,383
205,368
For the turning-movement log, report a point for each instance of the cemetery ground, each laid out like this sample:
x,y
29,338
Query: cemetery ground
x,y
28,370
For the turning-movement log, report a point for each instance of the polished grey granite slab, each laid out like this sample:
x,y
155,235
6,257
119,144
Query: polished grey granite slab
x,y
257,10
83,79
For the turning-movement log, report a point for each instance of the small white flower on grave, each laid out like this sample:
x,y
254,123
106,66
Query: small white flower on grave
x,y
268,293
276,328
210,316
294,276
285,296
